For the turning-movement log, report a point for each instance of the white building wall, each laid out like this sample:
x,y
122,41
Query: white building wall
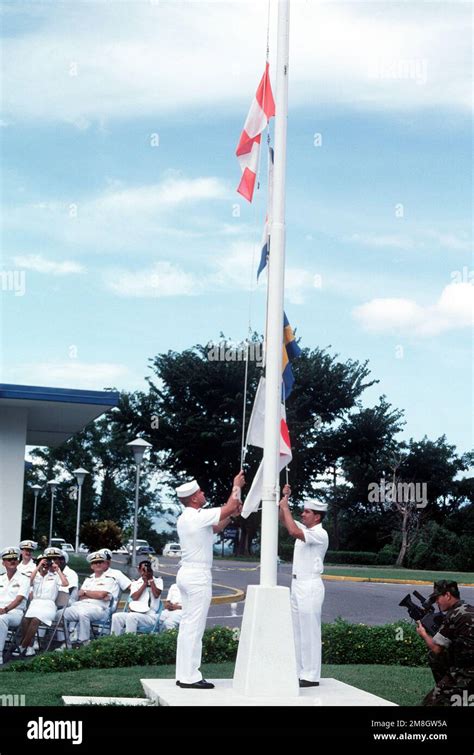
x,y
13,423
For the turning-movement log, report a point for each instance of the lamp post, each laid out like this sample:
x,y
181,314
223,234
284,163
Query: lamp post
x,y
36,490
138,447
80,475
53,484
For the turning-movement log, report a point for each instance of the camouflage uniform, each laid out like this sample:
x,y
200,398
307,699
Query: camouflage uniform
x,y
453,668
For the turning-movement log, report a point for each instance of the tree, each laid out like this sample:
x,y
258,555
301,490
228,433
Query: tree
x,y
106,534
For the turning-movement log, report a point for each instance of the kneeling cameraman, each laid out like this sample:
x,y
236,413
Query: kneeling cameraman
x,y
451,654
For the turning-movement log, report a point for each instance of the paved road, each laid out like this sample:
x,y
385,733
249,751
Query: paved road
x,y
365,602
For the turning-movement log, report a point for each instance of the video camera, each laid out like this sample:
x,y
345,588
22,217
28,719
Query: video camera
x,y
424,613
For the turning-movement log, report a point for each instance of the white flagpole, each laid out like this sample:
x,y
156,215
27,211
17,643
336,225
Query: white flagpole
x,y
276,275
266,658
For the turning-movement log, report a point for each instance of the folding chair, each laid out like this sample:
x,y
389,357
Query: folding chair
x,y
102,627
153,627
48,637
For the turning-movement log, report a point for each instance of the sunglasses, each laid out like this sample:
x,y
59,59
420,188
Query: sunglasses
x,y
11,559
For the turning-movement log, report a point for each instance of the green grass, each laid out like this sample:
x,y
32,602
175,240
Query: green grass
x,y
401,685
390,572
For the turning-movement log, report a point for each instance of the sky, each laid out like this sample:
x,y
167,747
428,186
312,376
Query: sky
x,y
122,232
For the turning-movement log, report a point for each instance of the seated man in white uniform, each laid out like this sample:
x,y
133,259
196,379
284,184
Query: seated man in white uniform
x,y
71,575
122,581
27,564
145,598
46,580
14,590
196,527
94,598
307,588
173,609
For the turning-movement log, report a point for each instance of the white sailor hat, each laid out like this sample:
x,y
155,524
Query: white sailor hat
x,y
11,552
30,544
96,556
52,552
189,488
315,505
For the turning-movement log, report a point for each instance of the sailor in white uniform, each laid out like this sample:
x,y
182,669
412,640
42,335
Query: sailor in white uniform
x,y
172,612
307,588
46,580
27,564
196,528
14,590
94,598
145,600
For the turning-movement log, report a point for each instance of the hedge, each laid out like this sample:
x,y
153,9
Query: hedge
x,y
342,642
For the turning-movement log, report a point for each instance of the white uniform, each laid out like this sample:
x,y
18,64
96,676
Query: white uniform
x,y
141,612
171,619
307,595
45,592
122,582
194,580
91,609
73,579
26,569
9,590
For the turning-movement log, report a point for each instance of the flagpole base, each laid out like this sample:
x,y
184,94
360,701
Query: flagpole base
x,y
266,659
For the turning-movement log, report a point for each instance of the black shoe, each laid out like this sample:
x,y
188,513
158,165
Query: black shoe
x,y
304,683
197,685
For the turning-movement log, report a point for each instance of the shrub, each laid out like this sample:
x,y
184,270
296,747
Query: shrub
x,y
387,555
343,643
106,534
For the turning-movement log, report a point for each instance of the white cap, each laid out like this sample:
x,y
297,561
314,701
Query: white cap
x,y
189,488
107,553
315,505
10,552
29,544
52,552
96,556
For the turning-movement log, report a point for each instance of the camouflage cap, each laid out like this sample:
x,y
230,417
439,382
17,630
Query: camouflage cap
x,y
442,586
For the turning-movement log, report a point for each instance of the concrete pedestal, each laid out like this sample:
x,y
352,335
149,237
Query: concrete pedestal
x,y
266,661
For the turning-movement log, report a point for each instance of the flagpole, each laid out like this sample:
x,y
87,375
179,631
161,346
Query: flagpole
x,y
276,275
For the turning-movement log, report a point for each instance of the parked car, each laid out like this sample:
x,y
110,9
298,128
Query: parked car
x,y
173,550
57,542
139,544
67,547
123,550
83,549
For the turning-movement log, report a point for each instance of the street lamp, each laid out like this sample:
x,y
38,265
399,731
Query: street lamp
x,y
80,475
138,447
36,489
53,484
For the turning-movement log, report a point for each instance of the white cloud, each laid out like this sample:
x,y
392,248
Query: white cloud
x,y
454,309
72,374
123,218
39,264
91,62
163,279
420,238
393,241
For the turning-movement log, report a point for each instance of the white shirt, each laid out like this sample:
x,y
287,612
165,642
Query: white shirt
x,y
197,536
72,577
26,569
122,582
11,588
105,582
308,555
47,587
174,594
146,601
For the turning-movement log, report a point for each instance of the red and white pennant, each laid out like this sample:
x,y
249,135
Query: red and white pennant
x,y
261,110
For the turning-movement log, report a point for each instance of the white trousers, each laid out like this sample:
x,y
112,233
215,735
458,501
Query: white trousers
x,y
129,621
170,619
195,585
307,596
84,613
8,621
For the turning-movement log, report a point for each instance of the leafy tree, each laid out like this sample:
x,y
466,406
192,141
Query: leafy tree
x,y
106,534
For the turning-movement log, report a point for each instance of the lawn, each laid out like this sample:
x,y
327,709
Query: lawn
x,y
390,572
406,686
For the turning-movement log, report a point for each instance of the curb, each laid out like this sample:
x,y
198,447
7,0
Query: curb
x,y
387,580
